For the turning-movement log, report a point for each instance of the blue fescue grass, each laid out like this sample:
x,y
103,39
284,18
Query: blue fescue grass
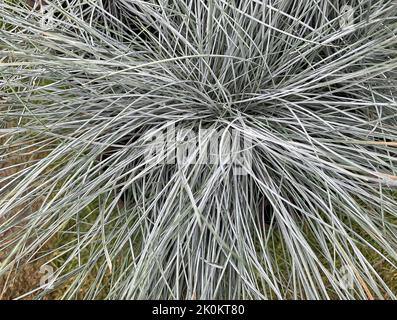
x,y
87,84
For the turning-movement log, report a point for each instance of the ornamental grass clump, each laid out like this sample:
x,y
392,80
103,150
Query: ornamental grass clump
x,y
196,149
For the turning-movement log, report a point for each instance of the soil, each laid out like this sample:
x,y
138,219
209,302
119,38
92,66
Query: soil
x,y
26,278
